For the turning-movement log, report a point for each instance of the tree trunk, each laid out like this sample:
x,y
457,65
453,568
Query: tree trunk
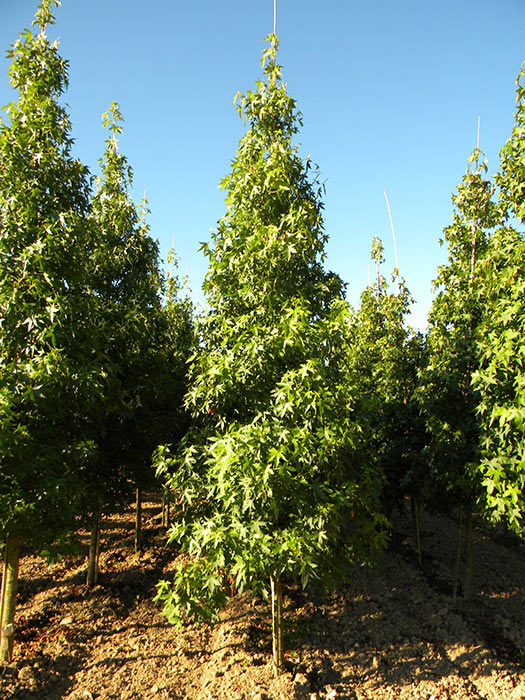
x,y
168,504
277,625
164,523
458,556
415,525
94,551
138,520
4,579
467,586
8,598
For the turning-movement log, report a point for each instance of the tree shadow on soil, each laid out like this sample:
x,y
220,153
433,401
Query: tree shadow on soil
x,y
366,653
47,677
386,627
379,630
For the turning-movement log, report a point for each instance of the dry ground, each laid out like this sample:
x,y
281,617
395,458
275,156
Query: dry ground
x,y
391,634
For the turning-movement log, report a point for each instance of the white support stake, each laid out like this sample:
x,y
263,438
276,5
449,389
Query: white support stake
x,y
394,237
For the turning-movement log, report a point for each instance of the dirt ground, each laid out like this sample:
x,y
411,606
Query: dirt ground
x,y
391,634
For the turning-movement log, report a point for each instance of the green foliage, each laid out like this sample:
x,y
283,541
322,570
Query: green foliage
x,y
272,480
500,381
139,333
499,378
44,14
475,375
448,396
511,176
384,357
50,372
181,342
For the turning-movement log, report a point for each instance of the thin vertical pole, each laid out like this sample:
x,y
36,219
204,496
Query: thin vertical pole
x,y
10,585
138,519
394,238
4,586
277,625
467,585
415,525
94,550
458,556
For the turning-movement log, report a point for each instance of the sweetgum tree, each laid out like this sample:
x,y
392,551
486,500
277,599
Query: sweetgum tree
x,y
179,343
499,378
384,359
126,281
51,373
147,343
272,480
510,178
448,397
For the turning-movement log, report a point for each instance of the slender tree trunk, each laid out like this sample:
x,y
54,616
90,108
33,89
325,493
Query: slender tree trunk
x,y
277,625
458,555
3,586
415,525
164,523
168,504
8,598
94,550
467,586
138,520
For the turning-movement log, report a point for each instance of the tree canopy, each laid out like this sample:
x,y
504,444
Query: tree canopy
x,y
51,373
272,479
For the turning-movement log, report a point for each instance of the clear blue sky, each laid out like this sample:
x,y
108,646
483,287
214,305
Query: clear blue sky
x,y
390,92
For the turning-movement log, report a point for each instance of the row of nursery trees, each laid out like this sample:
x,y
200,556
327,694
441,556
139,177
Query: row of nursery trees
x,y
94,338
290,424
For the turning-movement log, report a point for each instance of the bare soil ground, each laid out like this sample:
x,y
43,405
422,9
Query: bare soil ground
x,y
392,634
